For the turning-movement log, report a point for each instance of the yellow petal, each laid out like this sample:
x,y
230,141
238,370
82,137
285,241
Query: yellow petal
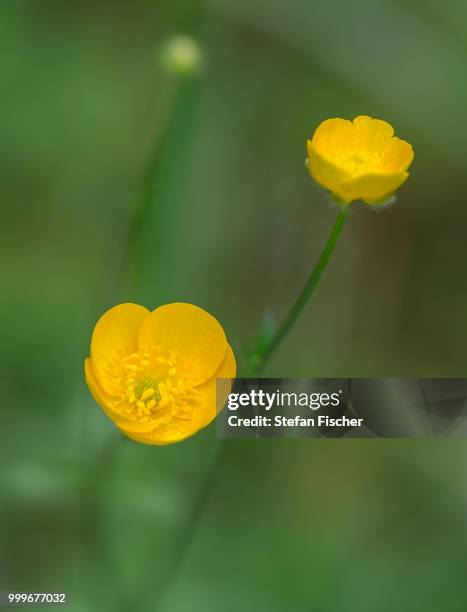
x,y
189,331
334,137
212,404
372,134
373,188
327,174
97,392
159,437
397,156
147,438
115,335
135,427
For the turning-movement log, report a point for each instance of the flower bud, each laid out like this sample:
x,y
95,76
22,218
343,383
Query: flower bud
x,y
182,56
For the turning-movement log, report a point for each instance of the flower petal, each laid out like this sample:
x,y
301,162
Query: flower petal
x,y
334,137
97,392
372,188
212,404
373,134
150,437
397,156
327,174
189,331
115,335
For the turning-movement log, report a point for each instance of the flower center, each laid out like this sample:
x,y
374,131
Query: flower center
x,y
356,162
145,388
154,386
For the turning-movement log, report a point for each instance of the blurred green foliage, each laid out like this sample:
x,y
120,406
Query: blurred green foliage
x,y
234,226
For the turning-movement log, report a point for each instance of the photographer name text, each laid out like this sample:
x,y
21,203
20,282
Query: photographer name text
x,y
265,401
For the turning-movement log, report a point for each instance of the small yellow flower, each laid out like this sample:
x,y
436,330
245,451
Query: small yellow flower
x,y
359,159
154,373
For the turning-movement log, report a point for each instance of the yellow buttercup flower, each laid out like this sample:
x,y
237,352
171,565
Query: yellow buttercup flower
x,y
154,373
359,159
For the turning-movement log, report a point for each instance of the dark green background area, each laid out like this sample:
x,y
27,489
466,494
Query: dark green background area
x,y
234,227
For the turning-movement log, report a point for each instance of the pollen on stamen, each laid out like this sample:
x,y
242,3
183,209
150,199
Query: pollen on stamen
x,y
147,393
164,401
183,416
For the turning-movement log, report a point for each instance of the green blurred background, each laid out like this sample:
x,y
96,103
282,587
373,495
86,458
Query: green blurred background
x,y
234,226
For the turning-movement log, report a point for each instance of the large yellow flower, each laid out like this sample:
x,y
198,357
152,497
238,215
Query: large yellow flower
x,y
154,373
359,159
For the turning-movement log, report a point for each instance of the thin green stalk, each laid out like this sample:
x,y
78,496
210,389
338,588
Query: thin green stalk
x,y
260,358
147,241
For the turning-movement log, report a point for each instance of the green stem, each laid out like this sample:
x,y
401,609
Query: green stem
x,y
146,243
260,358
